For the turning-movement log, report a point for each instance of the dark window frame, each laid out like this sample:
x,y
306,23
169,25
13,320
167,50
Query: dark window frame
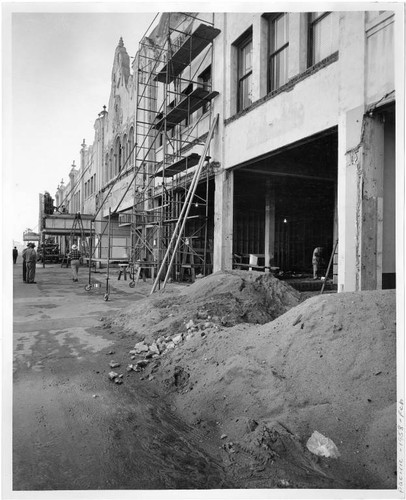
x,y
240,45
310,37
272,53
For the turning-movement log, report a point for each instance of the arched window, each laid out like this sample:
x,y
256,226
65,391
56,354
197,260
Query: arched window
x,y
117,152
131,146
111,164
106,168
124,148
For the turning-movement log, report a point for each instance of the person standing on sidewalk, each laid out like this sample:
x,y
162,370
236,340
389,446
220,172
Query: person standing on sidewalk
x,y
15,255
31,261
74,256
24,263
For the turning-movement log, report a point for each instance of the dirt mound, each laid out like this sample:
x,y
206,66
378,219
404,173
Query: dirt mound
x,y
328,364
223,298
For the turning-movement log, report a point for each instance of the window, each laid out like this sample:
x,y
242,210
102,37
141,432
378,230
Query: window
x,y
323,36
188,90
244,70
205,81
278,51
118,157
131,146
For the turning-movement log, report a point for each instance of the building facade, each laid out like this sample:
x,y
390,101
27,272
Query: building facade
x,y
266,134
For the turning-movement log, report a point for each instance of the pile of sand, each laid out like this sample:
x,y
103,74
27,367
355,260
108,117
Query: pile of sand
x,y
327,364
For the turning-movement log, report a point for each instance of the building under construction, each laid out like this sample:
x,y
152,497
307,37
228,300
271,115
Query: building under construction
x,y
244,141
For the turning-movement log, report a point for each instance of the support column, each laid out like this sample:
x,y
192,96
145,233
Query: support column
x,y
223,221
371,204
269,224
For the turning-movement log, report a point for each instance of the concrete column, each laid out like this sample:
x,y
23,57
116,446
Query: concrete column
x,y
223,221
269,223
371,205
351,108
349,181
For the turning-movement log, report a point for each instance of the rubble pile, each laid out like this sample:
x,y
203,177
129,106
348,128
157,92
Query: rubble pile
x,y
221,299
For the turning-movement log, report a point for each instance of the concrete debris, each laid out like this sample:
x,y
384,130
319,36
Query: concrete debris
x,y
114,364
113,375
154,349
170,345
177,339
140,347
223,436
140,365
110,352
322,446
130,367
229,447
118,380
190,324
252,425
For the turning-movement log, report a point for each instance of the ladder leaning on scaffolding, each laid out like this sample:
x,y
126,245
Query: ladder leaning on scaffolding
x,y
180,224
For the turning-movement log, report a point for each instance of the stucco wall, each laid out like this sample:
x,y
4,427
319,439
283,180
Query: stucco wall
x,y
284,119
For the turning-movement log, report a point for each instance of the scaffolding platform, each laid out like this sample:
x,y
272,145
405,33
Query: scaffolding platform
x,y
179,166
191,103
191,48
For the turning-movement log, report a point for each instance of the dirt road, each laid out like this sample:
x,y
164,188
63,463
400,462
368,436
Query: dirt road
x,y
72,427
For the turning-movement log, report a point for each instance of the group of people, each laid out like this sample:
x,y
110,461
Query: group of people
x,y
29,263
29,257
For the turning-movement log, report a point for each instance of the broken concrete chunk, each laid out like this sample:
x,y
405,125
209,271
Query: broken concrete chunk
x,y
190,324
114,364
129,368
113,375
252,424
170,345
140,365
223,436
118,380
322,446
140,347
154,348
177,339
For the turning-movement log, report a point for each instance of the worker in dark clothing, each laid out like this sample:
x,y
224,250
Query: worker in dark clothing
x,y
15,255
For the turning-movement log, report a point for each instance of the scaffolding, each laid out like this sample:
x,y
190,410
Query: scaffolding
x,y
174,92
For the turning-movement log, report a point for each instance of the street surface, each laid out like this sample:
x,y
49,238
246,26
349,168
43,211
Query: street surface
x,y
73,428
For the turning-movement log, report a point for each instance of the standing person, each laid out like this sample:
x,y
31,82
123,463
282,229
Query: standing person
x,y
24,263
316,261
15,255
31,261
74,256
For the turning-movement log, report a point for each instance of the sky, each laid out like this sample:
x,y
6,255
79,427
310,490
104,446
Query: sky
x,y
58,78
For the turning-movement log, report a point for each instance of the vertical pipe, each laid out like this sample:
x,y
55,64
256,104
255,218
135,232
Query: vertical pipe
x,y
90,250
108,253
